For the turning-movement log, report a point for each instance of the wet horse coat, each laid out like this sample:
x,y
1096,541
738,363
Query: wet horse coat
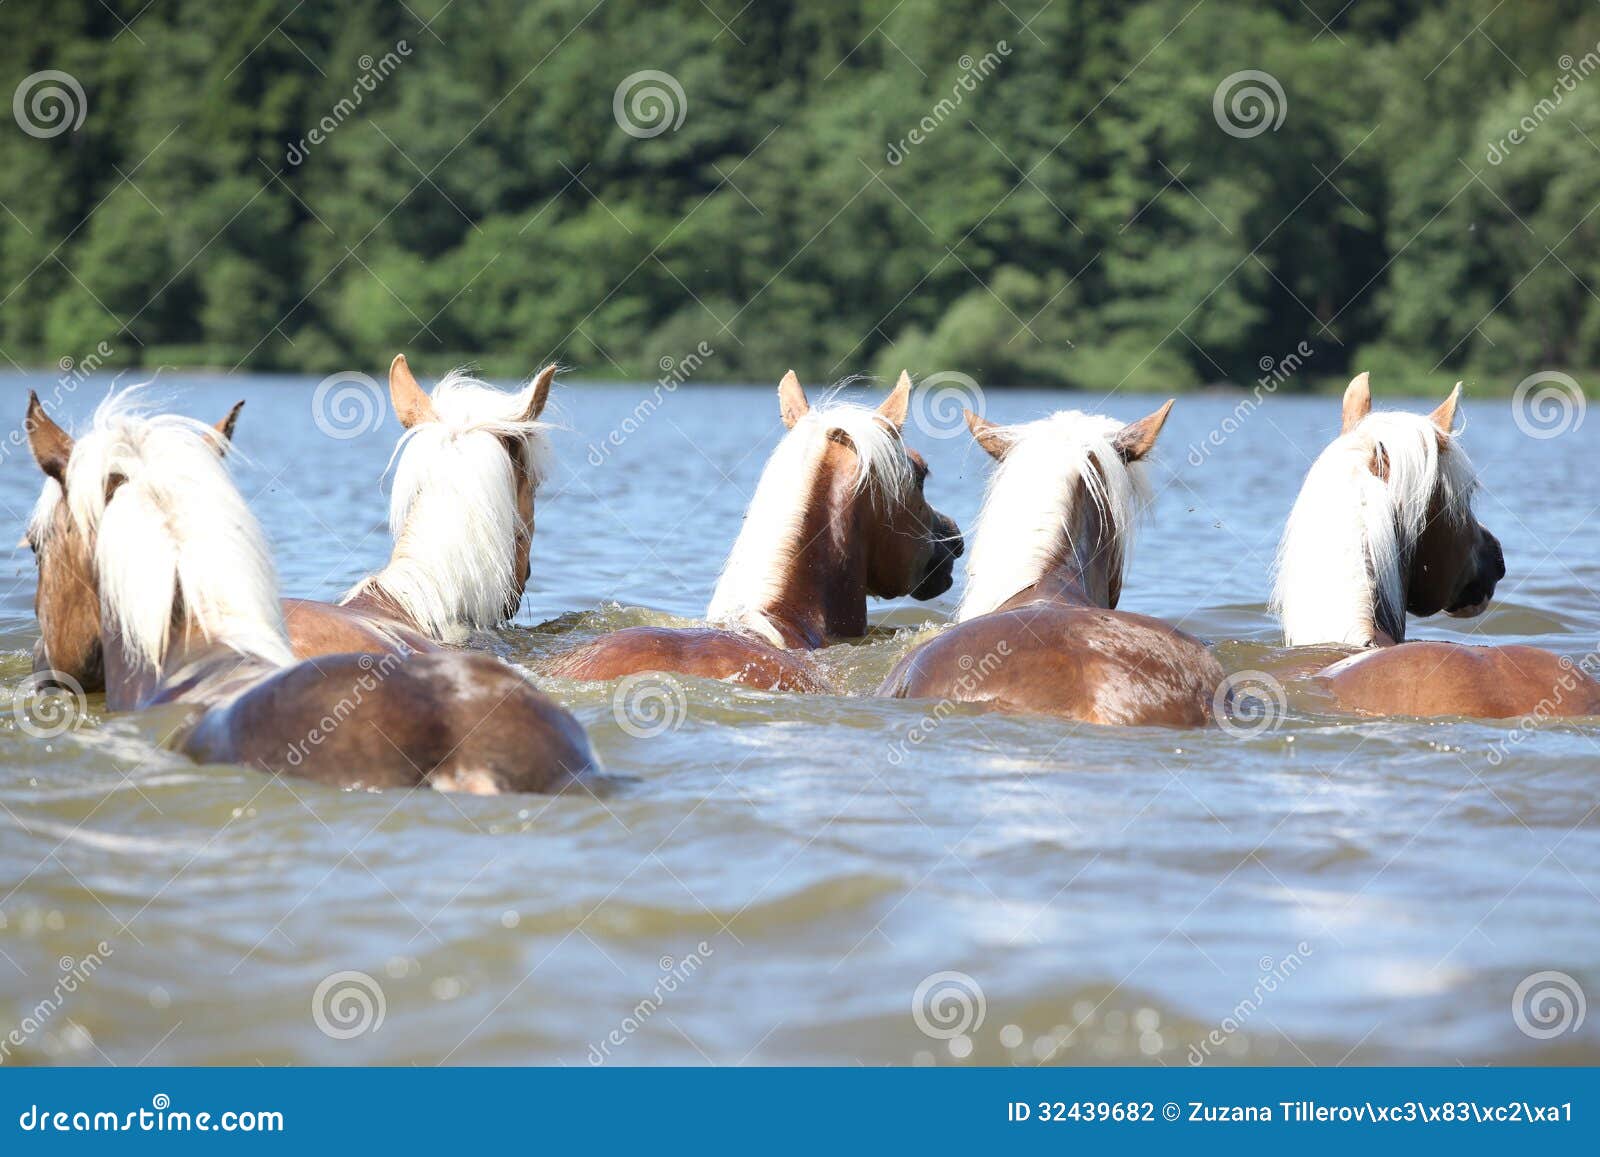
x,y
1383,527
839,514
1037,631
153,571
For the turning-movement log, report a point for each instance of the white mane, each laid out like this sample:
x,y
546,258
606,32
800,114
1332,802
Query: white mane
x,y
1340,573
453,511
176,528
1030,508
769,540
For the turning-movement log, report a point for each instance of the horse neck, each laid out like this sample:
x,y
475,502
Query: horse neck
x,y
822,594
1085,569
1331,593
416,571
369,598
195,670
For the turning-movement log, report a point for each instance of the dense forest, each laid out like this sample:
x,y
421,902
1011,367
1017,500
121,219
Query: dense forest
x,y
1051,192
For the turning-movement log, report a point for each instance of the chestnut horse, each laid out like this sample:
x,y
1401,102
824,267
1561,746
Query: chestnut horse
x,y
1038,631
1383,527
153,570
839,514
461,514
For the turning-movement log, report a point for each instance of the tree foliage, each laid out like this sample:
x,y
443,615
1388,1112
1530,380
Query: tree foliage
x,y
1046,197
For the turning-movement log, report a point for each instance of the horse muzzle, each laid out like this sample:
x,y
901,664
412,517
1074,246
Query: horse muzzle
x,y
940,574
1475,596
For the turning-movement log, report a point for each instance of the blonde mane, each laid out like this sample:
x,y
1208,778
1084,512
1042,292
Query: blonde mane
x,y
175,530
1030,509
769,539
1340,572
453,511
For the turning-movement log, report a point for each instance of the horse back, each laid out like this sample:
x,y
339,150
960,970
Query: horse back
x,y
1430,678
317,629
456,721
1090,664
705,652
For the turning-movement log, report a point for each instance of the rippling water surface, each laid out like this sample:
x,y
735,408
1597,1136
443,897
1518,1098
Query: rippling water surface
x,y
785,879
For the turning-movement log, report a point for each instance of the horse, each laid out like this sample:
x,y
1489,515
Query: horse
x,y
461,514
153,571
1384,527
1037,631
838,515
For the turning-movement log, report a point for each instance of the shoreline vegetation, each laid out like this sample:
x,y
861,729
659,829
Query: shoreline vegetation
x,y
1154,195
497,370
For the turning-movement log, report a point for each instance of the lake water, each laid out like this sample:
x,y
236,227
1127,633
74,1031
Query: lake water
x,y
784,879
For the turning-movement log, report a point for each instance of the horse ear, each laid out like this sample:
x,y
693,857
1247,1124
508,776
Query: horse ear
x,y
541,393
1137,439
225,427
991,437
898,403
1444,418
792,402
1357,402
51,445
411,405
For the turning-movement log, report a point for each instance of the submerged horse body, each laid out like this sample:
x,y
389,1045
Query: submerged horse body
x,y
1038,631
839,514
1384,527
153,571
461,513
